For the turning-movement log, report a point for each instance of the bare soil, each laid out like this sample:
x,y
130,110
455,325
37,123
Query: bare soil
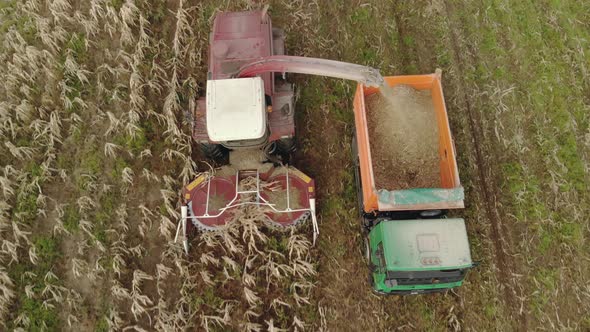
x,y
509,125
403,135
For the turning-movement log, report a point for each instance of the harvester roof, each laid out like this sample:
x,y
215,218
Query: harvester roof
x,y
235,109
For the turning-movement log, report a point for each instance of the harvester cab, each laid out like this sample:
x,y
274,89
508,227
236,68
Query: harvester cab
x,y
236,101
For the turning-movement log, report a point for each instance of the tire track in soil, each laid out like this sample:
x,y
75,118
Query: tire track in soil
x,y
503,261
405,58
417,55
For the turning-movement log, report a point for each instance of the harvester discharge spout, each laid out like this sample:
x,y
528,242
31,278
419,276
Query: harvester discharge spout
x,y
312,66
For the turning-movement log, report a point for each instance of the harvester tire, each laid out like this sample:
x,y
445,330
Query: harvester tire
x,y
215,152
285,146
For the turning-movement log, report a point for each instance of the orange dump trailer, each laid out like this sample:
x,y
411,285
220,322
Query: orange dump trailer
x,y
427,201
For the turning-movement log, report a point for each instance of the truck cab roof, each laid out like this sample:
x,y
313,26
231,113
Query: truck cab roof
x,y
423,244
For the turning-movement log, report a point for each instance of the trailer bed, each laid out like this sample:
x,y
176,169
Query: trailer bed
x,y
387,194
403,138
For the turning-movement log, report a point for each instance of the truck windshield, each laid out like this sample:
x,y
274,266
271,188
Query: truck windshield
x,y
425,277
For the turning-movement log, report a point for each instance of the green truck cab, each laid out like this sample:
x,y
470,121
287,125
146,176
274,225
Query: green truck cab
x,y
417,256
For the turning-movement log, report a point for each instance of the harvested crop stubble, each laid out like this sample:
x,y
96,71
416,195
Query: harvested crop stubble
x,y
258,277
403,135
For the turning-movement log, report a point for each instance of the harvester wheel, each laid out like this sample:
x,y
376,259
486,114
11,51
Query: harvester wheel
x,y
215,152
285,146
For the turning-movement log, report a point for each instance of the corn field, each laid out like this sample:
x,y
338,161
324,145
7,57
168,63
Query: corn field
x,y
95,149
96,101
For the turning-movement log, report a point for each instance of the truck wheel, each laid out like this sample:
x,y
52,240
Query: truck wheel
x,y
354,150
431,213
358,184
215,152
367,249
